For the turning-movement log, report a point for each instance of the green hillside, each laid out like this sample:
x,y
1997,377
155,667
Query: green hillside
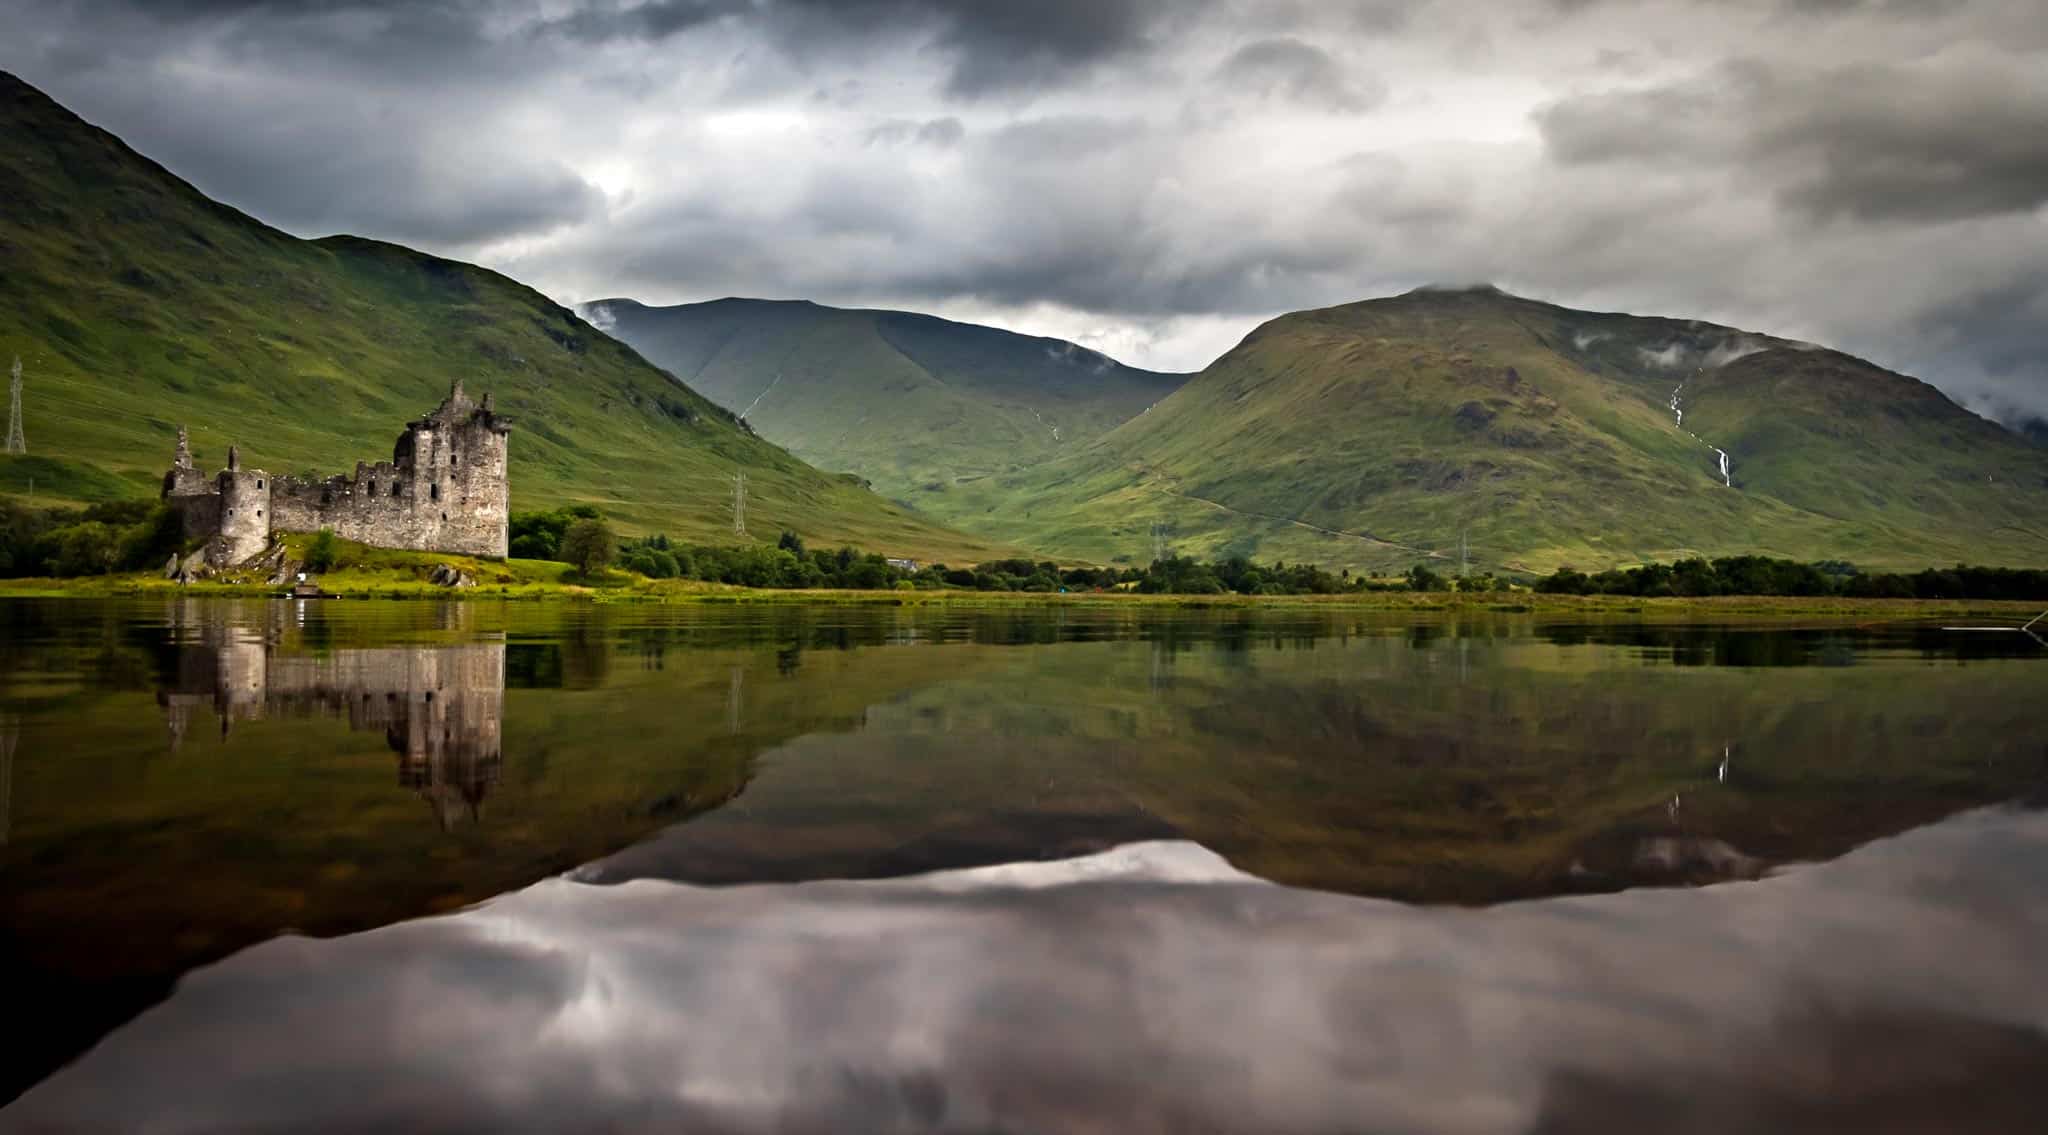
x,y
913,403
1376,433
137,304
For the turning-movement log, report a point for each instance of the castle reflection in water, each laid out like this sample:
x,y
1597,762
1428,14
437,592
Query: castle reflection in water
x,y
440,708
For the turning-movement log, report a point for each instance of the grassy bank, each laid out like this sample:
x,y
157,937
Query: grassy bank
x,y
400,575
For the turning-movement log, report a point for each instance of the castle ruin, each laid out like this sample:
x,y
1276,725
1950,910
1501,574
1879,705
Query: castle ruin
x,y
445,489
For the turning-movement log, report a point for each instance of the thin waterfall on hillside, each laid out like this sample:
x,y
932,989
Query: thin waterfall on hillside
x,y
1725,467
1041,421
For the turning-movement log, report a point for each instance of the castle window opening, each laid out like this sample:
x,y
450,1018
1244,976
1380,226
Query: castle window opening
x,y
394,488
259,484
373,488
434,491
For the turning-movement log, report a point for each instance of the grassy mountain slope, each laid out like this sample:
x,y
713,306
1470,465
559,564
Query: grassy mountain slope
x,y
137,304
1376,433
914,403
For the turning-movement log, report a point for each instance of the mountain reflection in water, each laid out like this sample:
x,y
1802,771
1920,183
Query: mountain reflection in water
x,y
180,780
1152,989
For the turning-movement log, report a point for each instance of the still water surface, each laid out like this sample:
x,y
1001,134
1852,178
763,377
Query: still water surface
x,y
1108,799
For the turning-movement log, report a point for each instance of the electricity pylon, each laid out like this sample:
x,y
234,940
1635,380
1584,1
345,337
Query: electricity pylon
x,y
739,503
16,443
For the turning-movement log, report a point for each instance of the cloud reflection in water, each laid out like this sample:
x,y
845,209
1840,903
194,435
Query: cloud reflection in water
x,y
1151,988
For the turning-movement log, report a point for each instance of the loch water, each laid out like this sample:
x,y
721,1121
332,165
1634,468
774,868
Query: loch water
x,y
470,866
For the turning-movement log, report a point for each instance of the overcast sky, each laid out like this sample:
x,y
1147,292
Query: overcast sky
x,y
1148,177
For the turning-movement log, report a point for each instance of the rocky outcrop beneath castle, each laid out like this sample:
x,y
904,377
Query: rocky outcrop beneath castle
x,y
445,489
448,575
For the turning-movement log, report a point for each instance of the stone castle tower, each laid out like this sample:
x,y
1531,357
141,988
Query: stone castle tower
x,y
445,489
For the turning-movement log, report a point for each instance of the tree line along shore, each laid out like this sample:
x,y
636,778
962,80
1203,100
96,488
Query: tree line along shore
x,y
574,551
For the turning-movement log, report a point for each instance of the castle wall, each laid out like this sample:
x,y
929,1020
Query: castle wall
x,y
453,498
446,489
199,512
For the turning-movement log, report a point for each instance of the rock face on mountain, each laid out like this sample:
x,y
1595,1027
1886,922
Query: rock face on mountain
x,y
1379,433
912,403
137,304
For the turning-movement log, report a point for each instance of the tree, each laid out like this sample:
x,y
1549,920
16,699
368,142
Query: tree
x,y
145,543
791,543
652,562
589,546
869,573
91,548
538,535
1420,578
321,552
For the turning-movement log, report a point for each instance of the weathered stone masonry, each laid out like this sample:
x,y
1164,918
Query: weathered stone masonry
x,y
445,489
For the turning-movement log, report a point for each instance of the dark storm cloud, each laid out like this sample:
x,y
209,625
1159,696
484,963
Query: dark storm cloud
x,y
448,38
1934,140
994,46
1872,175
314,114
1003,45
656,19
1290,69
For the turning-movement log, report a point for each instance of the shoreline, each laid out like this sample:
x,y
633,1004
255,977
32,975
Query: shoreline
x,y
695,592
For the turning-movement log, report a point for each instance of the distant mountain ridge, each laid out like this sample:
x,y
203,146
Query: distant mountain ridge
x,y
1378,433
1368,435
913,403
137,304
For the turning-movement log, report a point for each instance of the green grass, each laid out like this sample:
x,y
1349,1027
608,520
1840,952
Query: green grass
x,y
137,305
1378,434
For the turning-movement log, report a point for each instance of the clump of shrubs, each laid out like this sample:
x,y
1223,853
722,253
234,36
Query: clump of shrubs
x,y
100,540
1763,575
